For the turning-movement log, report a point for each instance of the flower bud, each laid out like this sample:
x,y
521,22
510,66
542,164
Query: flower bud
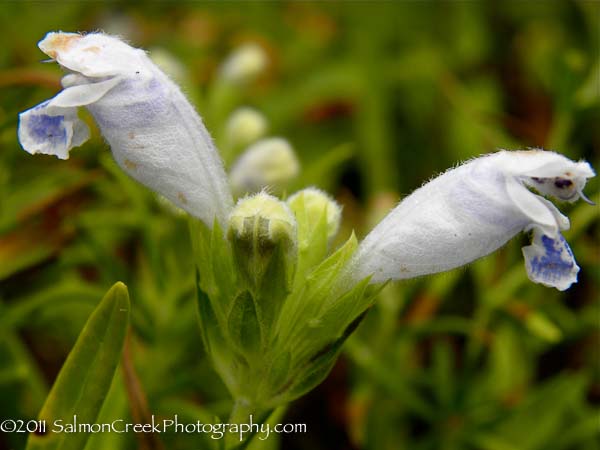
x,y
245,126
244,64
267,163
314,205
262,230
471,211
155,135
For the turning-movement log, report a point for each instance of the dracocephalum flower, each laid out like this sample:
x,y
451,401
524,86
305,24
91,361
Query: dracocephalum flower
x,y
154,133
472,210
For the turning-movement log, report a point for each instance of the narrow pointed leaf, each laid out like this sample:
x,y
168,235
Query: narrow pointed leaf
x,y
86,376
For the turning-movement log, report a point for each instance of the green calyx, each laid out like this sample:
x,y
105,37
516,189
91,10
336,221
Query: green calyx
x,y
262,232
274,310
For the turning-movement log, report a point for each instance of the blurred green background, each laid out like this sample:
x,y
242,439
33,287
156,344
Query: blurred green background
x,y
376,98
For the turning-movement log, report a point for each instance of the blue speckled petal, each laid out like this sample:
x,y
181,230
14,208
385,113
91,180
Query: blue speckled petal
x,y
50,130
550,261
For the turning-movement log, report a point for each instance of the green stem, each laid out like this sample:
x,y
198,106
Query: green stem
x,y
243,408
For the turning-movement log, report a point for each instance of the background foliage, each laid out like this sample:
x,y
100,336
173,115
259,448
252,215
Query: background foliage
x,y
376,97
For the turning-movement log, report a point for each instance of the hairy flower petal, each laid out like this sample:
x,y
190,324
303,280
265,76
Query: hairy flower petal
x,y
155,135
472,210
550,261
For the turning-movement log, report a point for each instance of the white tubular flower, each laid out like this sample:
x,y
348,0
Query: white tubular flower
x,y
244,64
155,135
269,162
472,210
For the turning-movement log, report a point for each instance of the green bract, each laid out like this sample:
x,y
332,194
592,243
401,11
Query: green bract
x,y
274,335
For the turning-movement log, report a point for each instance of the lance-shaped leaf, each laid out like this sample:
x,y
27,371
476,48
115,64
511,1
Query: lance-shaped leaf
x,y
86,376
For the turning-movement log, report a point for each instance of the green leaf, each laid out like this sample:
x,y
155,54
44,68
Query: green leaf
x,y
536,423
274,287
206,315
279,370
86,376
320,364
321,288
67,292
539,325
312,240
244,328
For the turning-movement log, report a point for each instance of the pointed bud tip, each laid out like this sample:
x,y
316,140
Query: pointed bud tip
x,y
314,203
263,215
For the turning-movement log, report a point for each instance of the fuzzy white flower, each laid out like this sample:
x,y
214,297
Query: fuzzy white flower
x,y
155,135
472,210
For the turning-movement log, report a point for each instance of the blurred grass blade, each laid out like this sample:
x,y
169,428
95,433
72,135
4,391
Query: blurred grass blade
x,y
322,171
86,376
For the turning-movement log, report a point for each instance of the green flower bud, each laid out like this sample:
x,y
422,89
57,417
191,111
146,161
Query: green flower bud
x,y
267,163
245,126
315,204
318,217
262,230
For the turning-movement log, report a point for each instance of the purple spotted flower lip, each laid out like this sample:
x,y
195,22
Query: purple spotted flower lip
x,y
550,261
471,211
51,130
155,135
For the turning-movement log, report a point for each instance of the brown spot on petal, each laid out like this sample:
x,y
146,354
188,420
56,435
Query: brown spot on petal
x,y
130,164
93,49
58,42
182,198
131,135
